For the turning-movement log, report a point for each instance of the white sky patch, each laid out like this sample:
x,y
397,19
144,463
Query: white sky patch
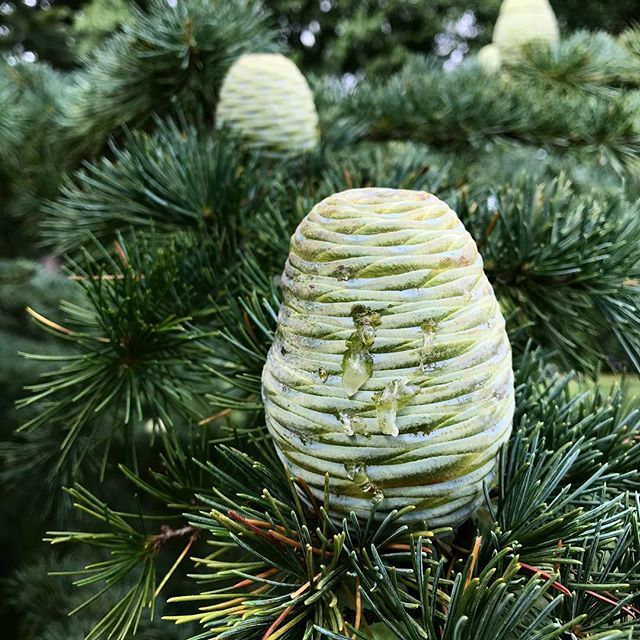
x,y
307,38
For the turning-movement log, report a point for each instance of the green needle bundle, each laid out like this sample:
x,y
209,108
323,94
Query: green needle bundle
x,y
266,99
391,367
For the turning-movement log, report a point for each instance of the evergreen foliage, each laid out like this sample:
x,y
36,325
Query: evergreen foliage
x,y
166,59
174,234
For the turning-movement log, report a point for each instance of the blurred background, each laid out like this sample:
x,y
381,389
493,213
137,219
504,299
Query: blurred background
x,y
344,36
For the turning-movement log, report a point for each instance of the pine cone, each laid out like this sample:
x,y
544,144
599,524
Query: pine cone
x,y
268,101
489,58
391,367
523,21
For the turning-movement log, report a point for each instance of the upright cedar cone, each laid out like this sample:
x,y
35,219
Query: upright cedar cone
x,y
268,101
489,58
523,21
391,367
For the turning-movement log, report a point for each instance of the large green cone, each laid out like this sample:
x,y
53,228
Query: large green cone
x,y
523,21
391,367
266,99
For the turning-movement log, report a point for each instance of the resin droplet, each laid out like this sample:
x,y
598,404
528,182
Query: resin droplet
x,y
394,396
501,393
428,329
324,374
357,363
352,425
357,472
347,427
343,273
359,426
357,367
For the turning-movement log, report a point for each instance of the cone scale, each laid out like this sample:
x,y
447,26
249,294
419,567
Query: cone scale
x,y
391,367
267,100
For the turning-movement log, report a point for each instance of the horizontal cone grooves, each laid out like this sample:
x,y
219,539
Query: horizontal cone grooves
x,y
267,100
391,367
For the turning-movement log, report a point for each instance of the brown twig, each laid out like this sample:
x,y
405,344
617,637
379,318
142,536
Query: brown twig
x,y
297,544
556,565
609,598
490,227
545,574
175,565
121,254
474,560
347,178
214,417
167,534
249,581
248,325
104,276
304,587
307,491
253,525
358,619
277,622
605,596
396,546
48,323
271,535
